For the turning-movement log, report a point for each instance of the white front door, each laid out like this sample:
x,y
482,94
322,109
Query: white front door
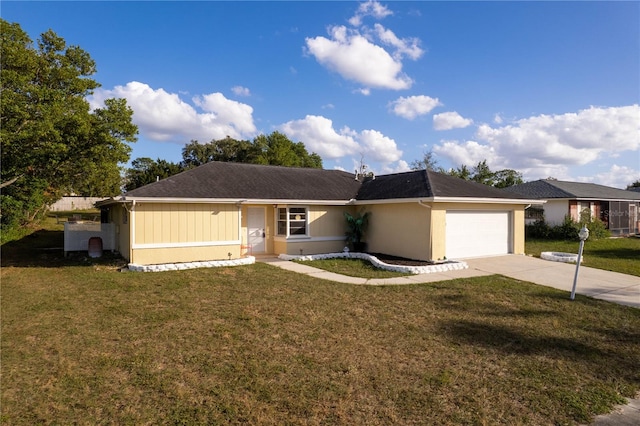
x,y
255,229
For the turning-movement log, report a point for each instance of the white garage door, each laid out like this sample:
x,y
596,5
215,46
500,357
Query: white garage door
x,y
477,233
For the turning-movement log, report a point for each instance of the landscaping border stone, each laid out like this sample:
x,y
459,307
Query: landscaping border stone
x,y
191,265
437,267
556,256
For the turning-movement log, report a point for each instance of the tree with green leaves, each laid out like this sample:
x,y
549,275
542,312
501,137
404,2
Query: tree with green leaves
x,y
274,149
635,184
278,150
427,162
481,173
145,170
195,154
52,143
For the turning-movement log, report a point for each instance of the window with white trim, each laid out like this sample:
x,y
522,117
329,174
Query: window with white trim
x,y
292,221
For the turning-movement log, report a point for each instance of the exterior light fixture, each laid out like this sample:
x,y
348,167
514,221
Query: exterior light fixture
x,y
583,234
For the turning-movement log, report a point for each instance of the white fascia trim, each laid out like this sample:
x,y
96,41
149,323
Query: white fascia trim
x,y
486,200
280,238
186,244
125,199
181,200
451,200
392,201
606,199
284,203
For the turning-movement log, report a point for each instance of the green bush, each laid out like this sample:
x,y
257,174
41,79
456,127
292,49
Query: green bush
x,y
538,229
598,229
568,230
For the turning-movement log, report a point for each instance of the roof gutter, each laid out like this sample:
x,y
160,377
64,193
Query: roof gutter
x,y
452,200
125,199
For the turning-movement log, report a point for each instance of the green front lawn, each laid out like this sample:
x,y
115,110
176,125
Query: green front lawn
x,y
612,254
83,343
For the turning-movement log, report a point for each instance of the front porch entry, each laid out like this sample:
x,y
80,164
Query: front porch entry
x,y
256,229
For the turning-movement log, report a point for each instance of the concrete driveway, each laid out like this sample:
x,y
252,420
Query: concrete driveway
x,y
611,286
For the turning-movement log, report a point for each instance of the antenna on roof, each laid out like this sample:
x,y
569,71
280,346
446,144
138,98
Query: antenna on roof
x,y
356,174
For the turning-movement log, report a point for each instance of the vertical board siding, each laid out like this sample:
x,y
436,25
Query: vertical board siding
x,y
185,223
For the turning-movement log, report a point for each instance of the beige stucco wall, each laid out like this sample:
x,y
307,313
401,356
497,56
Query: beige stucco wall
x,y
327,221
309,246
438,216
399,229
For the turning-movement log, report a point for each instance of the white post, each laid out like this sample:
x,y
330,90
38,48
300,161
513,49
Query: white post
x,y
583,234
575,278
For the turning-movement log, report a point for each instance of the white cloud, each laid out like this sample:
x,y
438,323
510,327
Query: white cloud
x,y
404,47
398,167
413,106
319,136
227,113
378,147
450,120
498,118
369,8
241,91
617,176
469,152
356,58
548,145
164,116
569,139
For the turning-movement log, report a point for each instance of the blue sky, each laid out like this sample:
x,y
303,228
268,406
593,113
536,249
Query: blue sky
x,y
546,88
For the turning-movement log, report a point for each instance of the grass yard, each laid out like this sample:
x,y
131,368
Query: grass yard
x,y
352,267
85,344
612,254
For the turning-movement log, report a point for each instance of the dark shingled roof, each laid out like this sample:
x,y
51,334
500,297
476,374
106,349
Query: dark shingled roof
x,y
424,184
547,188
252,181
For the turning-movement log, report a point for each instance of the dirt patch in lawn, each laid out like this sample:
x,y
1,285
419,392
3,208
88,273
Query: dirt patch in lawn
x,y
395,260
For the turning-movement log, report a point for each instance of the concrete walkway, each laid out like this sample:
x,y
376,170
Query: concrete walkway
x,y
611,286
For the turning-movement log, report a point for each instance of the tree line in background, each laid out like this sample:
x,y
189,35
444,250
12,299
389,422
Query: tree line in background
x,y
480,173
274,149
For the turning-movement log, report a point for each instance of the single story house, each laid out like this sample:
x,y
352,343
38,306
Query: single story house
x,y
617,208
229,210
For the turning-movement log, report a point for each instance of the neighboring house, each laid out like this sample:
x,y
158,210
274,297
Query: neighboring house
x,y
617,208
228,210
